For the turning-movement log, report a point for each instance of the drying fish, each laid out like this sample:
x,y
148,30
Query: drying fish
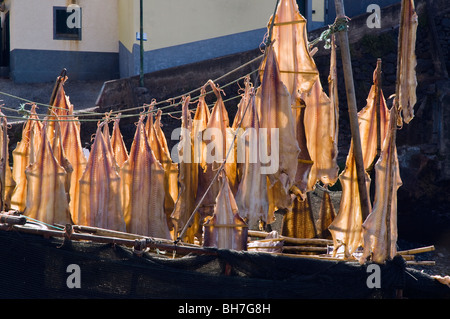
x,y
380,240
7,182
299,222
144,187
161,151
118,145
31,134
290,42
46,193
71,144
327,214
346,228
321,129
277,123
226,229
100,201
251,196
305,163
187,178
407,81
216,140
59,110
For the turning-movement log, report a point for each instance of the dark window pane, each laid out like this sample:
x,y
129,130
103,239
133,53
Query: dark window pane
x,y
61,30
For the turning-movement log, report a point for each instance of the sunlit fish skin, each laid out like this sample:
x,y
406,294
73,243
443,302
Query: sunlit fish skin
x,y
346,228
327,214
158,144
321,129
144,187
100,200
226,229
251,196
187,178
407,74
7,183
117,143
274,112
290,42
23,155
47,199
377,240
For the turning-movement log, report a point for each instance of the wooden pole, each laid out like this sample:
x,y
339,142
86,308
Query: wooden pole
x,y
353,112
378,106
141,44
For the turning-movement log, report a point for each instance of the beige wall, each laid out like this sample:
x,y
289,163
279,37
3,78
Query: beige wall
x,y
31,25
174,22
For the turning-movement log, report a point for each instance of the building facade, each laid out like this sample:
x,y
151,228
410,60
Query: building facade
x,y
98,39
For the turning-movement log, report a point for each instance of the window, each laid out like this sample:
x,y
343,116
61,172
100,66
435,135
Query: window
x,y
67,23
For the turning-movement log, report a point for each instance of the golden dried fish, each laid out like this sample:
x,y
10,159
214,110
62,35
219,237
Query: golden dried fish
x,y
321,129
277,123
117,143
346,228
379,241
407,64
226,229
22,157
187,179
71,143
251,196
299,222
46,194
144,187
7,182
100,200
298,70
216,139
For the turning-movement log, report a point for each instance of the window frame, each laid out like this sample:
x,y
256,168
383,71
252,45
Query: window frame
x,y
66,36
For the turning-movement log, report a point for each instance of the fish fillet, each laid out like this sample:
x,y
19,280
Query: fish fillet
x,y
226,229
170,168
377,240
321,129
100,201
7,183
346,228
407,64
71,143
144,186
299,222
298,70
46,193
274,112
251,196
215,138
30,140
187,178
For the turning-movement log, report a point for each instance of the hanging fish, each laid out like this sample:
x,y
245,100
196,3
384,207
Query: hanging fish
x,y
187,178
407,64
144,186
251,196
298,70
100,201
226,229
277,134
327,214
22,157
346,228
117,143
46,198
379,241
321,129
7,183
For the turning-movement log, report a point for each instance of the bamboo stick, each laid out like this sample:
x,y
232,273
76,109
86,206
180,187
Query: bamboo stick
x,y
304,249
304,241
353,112
421,263
416,250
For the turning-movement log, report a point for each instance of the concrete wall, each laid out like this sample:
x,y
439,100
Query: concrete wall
x,y
36,56
181,32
